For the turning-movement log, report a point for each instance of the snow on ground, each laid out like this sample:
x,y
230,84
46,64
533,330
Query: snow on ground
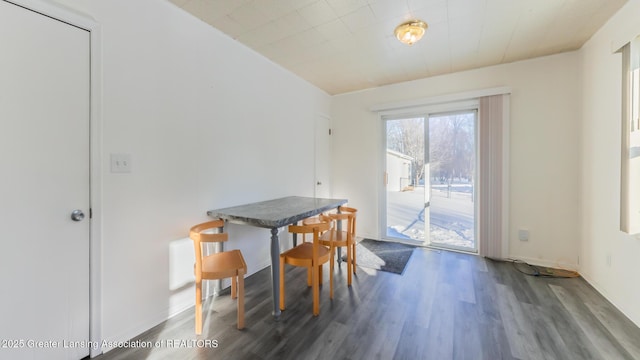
x,y
451,216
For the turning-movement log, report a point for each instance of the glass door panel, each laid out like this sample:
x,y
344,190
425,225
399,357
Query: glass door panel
x,y
404,177
452,154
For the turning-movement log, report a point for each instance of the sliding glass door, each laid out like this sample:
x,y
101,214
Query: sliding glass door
x,y
430,171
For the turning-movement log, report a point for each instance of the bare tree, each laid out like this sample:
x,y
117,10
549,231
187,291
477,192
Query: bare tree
x,y
451,145
406,136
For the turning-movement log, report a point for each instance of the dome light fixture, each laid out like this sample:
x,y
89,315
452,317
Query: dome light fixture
x,y
411,31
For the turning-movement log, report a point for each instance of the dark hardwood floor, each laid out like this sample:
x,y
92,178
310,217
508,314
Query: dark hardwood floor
x,y
446,305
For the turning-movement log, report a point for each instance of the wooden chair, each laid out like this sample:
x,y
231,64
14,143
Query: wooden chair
x,y
311,255
346,237
314,220
217,266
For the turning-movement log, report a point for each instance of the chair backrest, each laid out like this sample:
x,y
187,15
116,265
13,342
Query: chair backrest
x,y
347,209
326,218
203,233
348,222
352,211
312,221
316,229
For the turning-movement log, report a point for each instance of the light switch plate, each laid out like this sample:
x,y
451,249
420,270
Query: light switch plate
x,y
120,163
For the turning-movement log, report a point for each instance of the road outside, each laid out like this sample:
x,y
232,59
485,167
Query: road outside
x,y
451,215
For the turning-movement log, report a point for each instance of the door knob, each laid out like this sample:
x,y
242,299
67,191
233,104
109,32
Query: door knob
x,y
319,183
77,215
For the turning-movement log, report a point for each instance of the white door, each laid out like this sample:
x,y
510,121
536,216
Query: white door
x,y
44,159
322,157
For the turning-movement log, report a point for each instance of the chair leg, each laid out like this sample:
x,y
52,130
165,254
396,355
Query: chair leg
x,y
349,264
234,287
282,283
198,307
353,245
331,261
309,276
240,301
316,289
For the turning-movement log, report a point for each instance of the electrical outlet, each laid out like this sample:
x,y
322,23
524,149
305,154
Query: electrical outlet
x,y
523,235
120,163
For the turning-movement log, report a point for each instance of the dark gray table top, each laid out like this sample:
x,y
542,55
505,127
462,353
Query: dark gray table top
x,y
278,212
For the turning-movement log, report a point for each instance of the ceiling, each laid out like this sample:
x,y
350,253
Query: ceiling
x,y
348,45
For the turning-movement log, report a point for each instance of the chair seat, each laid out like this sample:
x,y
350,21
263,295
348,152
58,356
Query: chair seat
x,y
302,254
223,265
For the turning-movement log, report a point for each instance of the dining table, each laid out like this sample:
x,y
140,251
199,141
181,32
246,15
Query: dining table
x,y
274,214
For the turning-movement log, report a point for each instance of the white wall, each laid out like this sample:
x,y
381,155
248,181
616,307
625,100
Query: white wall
x,y
600,167
545,107
209,124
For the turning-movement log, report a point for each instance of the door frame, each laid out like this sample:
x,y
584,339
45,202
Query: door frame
x,y
468,104
416,105
85,22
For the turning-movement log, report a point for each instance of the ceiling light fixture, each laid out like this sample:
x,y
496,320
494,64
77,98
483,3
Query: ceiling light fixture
x,y
411,31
